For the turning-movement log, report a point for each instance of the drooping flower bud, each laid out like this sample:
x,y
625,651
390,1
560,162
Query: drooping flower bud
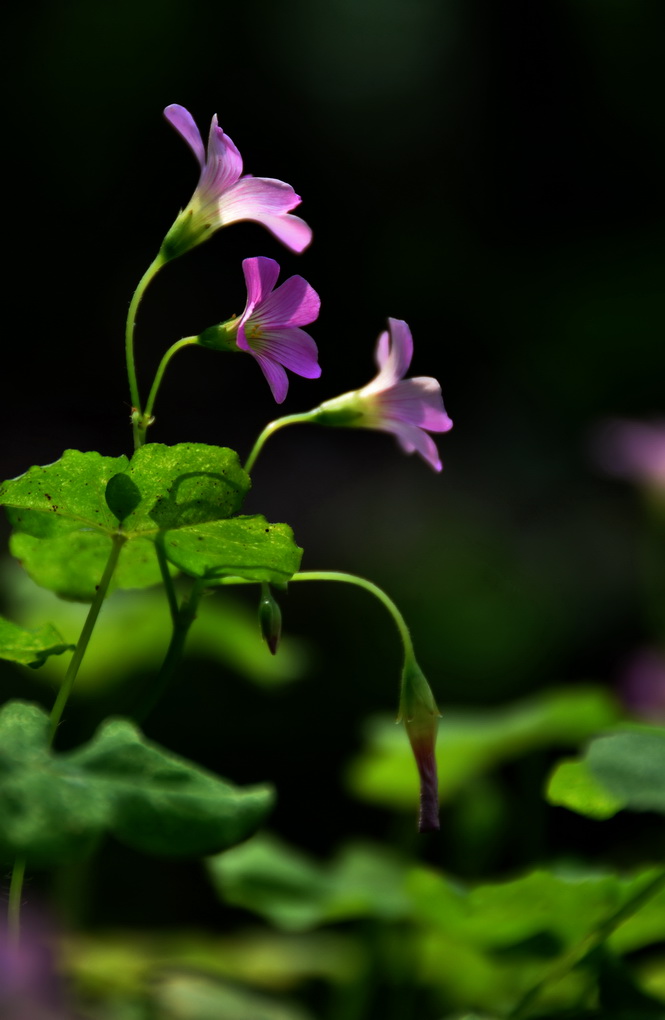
x,y
419,713
270,619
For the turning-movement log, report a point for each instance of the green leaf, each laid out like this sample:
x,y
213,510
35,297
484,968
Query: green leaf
x,y
30,647
296,893
65,514
631,767
248,547
53,806
572,785
472,743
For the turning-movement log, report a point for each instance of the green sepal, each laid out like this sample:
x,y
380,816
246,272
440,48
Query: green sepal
x,y
55,806
30,647
247,547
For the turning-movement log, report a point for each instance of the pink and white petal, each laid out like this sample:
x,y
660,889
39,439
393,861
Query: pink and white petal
x,y
261,275
182,120
292,348
266,201
278,381
294,303
290,230
392,356
222,167
411,439
382,349
416,402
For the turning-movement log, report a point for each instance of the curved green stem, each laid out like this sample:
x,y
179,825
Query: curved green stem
x,y
271,428
166,578
359,582
14,904
88,627
150,272
185,342
183,620
587,945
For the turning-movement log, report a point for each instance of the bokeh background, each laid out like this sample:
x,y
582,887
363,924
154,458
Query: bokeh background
x,y
492,172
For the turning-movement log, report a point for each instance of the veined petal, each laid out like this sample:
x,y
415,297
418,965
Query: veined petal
x,y
416,401
294,303
267,201
277,378
182,120
292,348
261,275
222,167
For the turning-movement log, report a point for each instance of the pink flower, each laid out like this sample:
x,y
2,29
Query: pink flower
x,y
268,329
223,196
634,450
409,408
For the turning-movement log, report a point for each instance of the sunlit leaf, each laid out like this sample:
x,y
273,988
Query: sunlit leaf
x,y
65,516
248,547
55,805
29,647
572,785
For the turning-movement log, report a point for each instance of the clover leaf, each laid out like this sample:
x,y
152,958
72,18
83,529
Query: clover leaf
x,y
53,806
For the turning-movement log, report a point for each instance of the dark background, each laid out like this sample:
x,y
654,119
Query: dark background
x,y
492,172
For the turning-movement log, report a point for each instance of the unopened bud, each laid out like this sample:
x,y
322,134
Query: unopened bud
x,y
420,715
270,619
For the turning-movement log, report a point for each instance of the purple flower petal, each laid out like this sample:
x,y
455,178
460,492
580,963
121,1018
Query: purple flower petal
x,y
261,275
413,439
266,201
223,166
183,122
294,303
292,348
276,376
417,401
394,351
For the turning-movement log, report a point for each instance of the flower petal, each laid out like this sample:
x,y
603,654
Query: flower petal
x,y
261,275
292,348
393,356
416,401
267,201
222,167
182,120
294,303
275,374
412,439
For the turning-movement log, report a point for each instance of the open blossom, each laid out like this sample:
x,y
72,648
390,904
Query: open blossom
x,y
223,196
269,327
409,408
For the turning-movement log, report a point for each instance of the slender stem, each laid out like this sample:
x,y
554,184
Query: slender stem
x,y
185,342
167,579
88,627
588,944
184,618
360,582
150,272
14,905
269,430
